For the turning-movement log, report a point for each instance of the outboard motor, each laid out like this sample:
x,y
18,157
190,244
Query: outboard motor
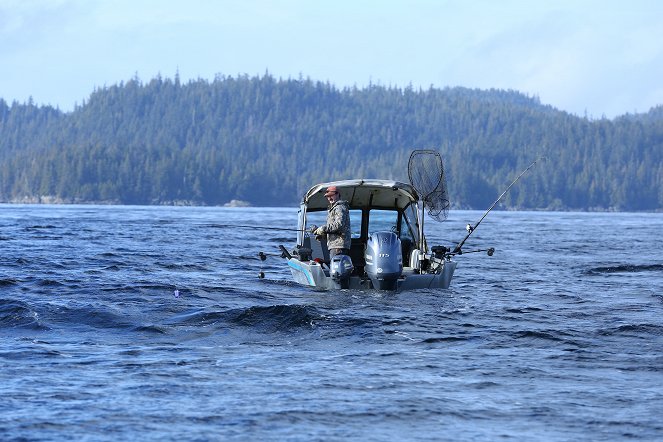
x,y
384,261
340,269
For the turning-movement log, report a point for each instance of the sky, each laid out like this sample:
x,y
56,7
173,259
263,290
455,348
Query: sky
x,y
595,58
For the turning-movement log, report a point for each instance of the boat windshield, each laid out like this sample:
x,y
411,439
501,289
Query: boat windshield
x,y
383,221
404,224
388,221
410,219
319,218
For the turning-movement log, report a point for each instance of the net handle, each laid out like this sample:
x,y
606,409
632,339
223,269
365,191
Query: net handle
x,y
439,173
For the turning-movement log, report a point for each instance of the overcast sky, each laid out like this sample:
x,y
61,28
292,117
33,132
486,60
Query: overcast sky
x,y
593,57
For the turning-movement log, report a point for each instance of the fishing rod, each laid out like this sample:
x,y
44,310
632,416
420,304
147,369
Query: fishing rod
x,y
470,228
489,251
243,226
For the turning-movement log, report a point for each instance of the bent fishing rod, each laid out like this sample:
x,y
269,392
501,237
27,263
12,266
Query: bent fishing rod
x,y
470,229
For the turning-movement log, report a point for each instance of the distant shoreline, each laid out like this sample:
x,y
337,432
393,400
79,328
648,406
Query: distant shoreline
x,y
246,205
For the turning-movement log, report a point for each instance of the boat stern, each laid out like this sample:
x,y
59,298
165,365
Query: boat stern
x,y
309,273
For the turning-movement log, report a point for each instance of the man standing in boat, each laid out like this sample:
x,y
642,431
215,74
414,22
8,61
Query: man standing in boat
x,y
337,228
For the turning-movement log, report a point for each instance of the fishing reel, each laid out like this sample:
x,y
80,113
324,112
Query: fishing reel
x,y
440,252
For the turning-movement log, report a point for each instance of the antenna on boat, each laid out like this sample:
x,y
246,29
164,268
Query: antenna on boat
x,y
426,173
471,229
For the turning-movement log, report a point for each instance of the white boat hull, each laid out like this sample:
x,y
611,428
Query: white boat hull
x,y
386,250
313,274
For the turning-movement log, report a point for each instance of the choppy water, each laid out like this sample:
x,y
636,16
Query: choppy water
x,y
558,336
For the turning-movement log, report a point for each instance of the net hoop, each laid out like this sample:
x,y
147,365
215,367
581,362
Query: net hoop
x,y
426,173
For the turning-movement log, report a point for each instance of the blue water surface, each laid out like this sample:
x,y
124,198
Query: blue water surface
x,y
151,323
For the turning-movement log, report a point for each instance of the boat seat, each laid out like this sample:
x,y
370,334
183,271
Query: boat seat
x,y
406,248
357,255
319,249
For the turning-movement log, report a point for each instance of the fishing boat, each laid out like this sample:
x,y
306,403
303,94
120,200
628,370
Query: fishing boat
x,y
388,248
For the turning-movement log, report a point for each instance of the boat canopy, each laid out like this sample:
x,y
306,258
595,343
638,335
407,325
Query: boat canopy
x,y
363,194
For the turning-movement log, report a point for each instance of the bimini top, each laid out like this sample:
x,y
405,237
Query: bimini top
x,y
363,194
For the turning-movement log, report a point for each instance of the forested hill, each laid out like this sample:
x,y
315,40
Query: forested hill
x,y
266,141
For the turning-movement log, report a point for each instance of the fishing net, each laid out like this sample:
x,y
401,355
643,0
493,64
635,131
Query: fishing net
x,y
426,174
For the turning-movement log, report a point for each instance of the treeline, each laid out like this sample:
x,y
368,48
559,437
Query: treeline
x,y
267,140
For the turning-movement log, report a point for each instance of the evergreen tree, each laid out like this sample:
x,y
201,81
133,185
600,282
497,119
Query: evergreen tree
x,y
267,140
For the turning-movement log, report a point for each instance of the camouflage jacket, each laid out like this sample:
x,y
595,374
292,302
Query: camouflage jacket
x,y
338,225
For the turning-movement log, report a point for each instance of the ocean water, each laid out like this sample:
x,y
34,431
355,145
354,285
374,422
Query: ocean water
x,y
150,323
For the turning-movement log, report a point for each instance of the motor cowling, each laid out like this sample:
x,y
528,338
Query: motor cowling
x,y
340,270
384,261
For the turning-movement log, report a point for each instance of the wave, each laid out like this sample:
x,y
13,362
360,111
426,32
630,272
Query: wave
x,y
522,310
264,319
139,286
6,282
184,267
275,318
40,227
113,268
150,329
447,339
278,317
625,268
639,329
17,314
94,316
49,283
536,334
